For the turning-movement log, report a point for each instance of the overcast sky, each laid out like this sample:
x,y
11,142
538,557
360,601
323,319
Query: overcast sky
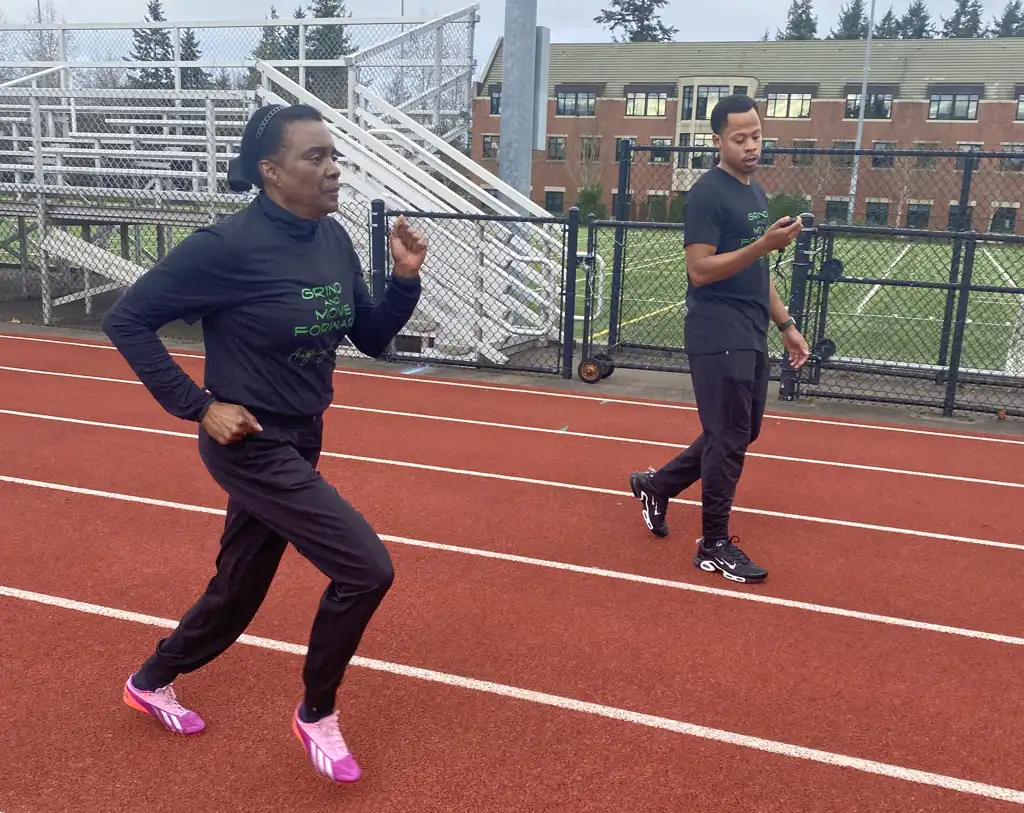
x,y
571,22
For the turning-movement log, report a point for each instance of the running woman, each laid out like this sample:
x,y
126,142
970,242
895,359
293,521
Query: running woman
x,y
277,286
729,301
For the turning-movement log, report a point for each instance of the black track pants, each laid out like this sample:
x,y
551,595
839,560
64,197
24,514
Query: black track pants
x,y
731,389
276,495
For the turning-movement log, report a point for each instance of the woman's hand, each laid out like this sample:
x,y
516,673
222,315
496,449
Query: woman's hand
x,y
228,423
408,249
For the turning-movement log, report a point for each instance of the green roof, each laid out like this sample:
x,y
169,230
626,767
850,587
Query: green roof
x,y
998,64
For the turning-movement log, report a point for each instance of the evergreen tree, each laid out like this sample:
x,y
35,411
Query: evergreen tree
x,y
853,22
801,24
916,22
328,42
888,28
965,21
192,78
152,45
269,47
638,19
290,44
1011,23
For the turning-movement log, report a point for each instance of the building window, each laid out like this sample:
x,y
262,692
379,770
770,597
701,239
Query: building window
x,y
843,160
953,106
954,223
707,98
556,148
961,163
1014,160
918,215
837,211
882,161
590,148
878,213
879,106
491,145
662,155
495,101
703,159
1004,219
927,161
554,202
684,141
739,90
803,159
575,103
1020,107
767,156
687,111
646,104
788,106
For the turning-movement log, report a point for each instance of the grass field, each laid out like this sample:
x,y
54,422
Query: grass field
x,y
865,321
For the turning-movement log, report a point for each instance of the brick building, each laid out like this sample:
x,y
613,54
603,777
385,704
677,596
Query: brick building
x,y
922,95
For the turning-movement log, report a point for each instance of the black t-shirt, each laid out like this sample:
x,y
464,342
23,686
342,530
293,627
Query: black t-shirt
x,y
731,314
276,295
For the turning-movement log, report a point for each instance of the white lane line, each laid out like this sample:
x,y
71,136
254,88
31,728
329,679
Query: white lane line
x,y
584,435
577,397
565,703
565,566
864,526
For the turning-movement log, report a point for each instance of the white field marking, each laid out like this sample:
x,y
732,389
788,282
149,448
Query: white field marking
x,y
568,567
587,435
591,398
550,484
565,703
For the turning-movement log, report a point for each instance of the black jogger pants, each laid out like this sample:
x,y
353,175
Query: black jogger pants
x,y
731,389
276,495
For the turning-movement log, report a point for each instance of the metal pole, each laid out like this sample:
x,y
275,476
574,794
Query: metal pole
x,y
860,115
518,70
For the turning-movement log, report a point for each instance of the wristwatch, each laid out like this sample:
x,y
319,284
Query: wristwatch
x,y
787,324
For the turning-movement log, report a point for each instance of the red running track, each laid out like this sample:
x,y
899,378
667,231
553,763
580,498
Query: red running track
x,y
918,699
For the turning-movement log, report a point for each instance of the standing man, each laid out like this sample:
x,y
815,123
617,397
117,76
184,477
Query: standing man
x,y
729,301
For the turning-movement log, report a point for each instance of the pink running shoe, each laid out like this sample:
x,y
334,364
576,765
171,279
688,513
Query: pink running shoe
x,y
164,706
326,747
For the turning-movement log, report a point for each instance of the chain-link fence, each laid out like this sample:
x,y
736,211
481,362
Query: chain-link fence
x,y
918,233
498,292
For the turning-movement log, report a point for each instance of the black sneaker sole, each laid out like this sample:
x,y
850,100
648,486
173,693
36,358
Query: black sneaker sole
x,y
710,565
640,494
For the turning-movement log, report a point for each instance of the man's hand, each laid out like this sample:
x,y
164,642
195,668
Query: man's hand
x,y
795,346
779,236
408,249
228,423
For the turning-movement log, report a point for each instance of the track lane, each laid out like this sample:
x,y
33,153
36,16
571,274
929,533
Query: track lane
x,y
605,643
927,452
958,508
859,570
424,747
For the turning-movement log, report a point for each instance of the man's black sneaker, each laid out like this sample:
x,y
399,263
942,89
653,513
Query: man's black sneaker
x,y
654,504
729,559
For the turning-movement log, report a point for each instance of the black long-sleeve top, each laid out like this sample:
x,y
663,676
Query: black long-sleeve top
x,y
276,294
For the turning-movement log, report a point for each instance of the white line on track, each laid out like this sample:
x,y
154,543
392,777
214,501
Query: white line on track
x,y
567,567
566,703
575,434
549,484
578,397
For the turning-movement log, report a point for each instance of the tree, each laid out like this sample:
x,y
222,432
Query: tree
x,y
152,45
638,19
801,24
192,78
766,36
270,47
888,28
290,44
328,42
1011,23
965,22
853,22
916,22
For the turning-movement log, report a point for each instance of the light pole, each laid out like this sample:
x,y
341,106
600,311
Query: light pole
x,y
860,116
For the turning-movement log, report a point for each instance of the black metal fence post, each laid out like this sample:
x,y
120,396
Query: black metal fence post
x,y
802,266
964,295
572,241
625,154
962,223
378,249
